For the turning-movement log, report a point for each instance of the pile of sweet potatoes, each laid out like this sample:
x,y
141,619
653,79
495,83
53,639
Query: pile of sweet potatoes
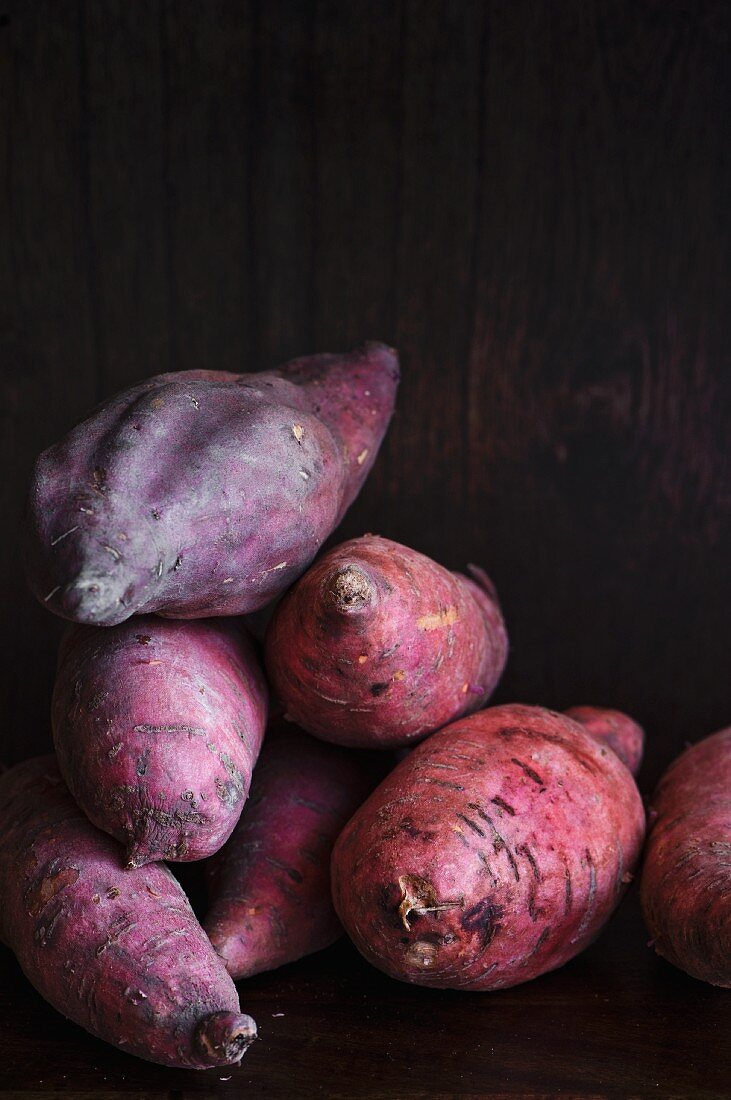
x,y
494,851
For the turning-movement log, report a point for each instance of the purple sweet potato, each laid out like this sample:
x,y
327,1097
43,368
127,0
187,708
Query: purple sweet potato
x,y
119,952
270,885
204,493
377,645
496,851
158,725
613,728
686,877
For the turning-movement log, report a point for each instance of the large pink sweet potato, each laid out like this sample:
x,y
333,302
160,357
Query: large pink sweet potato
x,y
158,725
686,876
615,729
494,852
377,645
119,952
270,885
204,493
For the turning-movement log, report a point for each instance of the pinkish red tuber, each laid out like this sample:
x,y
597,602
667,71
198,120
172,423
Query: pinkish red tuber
x,y
118,952
377,645
158,725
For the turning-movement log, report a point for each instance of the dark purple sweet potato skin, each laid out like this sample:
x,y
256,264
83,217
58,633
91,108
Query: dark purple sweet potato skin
x,y
493,853
377,645
157,726
119,952
686,876
204,493
613,728
269,887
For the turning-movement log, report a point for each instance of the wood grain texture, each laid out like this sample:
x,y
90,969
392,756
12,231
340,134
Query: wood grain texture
x,y
614,1023
530,200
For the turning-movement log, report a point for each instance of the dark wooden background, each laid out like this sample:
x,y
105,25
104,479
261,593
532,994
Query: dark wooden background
x,y
529,199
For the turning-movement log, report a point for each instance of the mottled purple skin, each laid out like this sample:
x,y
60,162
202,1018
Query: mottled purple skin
x,y
613,728
118,952
204,493
495,852
269,887
686,876
377,645
157,726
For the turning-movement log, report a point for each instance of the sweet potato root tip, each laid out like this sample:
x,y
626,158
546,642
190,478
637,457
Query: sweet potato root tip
x,y
348,589
224,1037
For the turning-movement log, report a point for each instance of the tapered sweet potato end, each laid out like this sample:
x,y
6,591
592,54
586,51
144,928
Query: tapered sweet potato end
x,y
624,736
223,1038
354,394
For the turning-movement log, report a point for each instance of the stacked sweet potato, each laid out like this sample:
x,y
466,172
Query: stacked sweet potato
x,y
493,852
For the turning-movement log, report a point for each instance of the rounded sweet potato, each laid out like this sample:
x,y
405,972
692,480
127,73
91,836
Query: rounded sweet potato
x,y
686,877
157,725
494,852
204,493
270,884
118,952
377,645
613,728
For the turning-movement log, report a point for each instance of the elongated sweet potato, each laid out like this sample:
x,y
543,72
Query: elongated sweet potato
x,y
204,493
119,952
377,645
270,885
157,725
494,852
613,728
686,877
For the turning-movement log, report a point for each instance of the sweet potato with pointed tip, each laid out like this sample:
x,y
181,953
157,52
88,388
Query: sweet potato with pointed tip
x,y
613,728
157,726
204,493
269,887
495,852
686,876
377,645
118,952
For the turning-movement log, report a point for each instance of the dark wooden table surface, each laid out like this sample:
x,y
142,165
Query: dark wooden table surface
x,y
530,200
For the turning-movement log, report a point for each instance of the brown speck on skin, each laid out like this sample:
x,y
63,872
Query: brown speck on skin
x,y
362,659
143,639
297,432
399,675
422,954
